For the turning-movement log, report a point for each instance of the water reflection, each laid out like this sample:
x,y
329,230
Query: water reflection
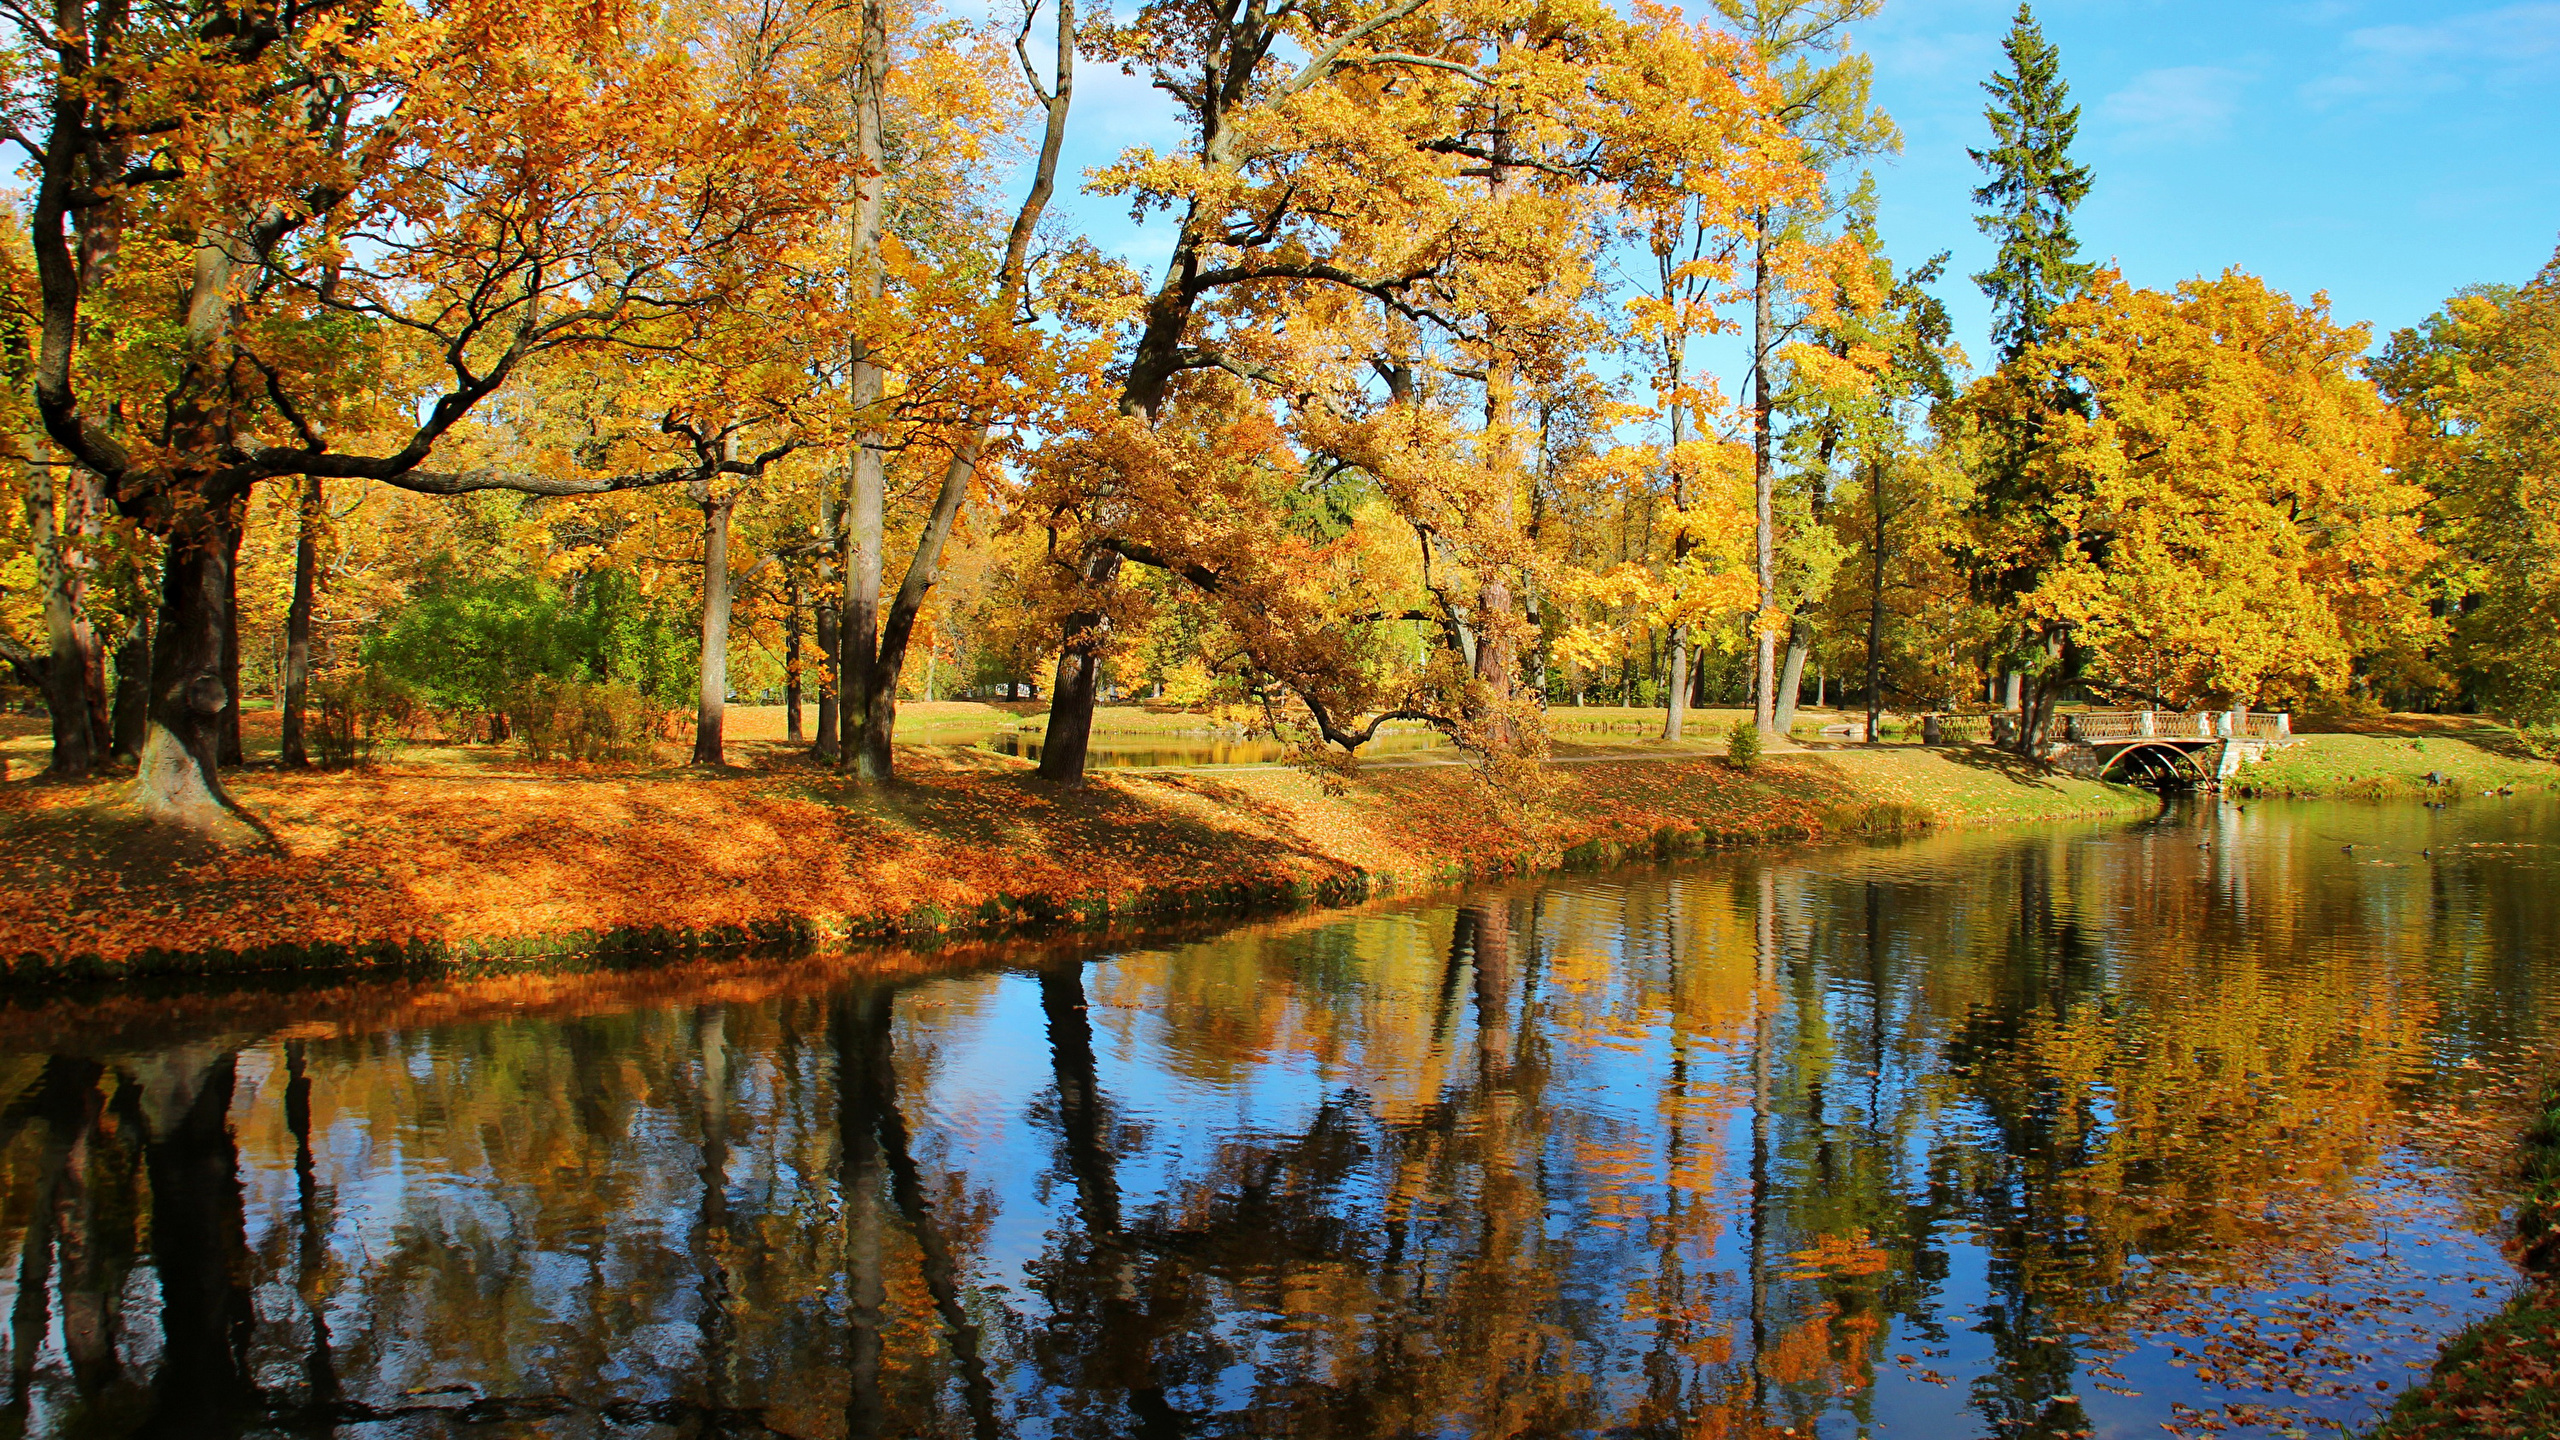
x,y
2041,1134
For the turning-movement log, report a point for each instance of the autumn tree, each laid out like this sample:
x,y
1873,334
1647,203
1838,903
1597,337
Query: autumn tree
x,y
1821,101
465,188
1866,416
2222,524
978,369
1389,239
2478,390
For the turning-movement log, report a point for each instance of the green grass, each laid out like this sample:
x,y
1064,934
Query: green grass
x,y
2472,759
1899,785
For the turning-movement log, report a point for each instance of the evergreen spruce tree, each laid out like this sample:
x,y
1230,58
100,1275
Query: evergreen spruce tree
x,y
2034,188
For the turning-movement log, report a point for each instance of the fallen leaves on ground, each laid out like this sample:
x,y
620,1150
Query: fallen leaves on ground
x,y
493,856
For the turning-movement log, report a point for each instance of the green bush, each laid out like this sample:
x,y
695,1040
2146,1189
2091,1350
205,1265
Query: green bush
x,y
352,713
605,721
1742,746
2543,739
467,643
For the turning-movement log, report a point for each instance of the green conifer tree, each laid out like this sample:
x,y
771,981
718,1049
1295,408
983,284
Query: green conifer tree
x,y
2034,188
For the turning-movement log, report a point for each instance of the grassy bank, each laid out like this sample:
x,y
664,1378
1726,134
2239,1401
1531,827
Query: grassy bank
x,y
416,863
2471,756
2500,1379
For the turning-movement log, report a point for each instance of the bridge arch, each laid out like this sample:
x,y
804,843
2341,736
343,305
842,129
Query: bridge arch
x,y
2158,763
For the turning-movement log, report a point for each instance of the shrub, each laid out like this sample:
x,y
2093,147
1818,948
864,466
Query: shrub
x,y
1742,746
581,720
352,713
467,644
2543,739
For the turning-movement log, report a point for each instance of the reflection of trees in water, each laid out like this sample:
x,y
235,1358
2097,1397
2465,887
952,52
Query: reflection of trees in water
x,y
1663,1158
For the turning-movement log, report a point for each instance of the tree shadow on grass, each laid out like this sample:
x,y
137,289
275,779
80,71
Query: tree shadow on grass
x,y
2494,740
1010,810
1989,760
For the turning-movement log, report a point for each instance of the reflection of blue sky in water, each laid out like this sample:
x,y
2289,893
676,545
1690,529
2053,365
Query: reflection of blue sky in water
x,y
1475,1167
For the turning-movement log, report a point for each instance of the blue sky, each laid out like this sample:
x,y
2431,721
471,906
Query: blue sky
x,y
2387,153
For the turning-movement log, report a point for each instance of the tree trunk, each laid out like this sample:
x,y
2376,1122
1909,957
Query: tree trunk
x,y
924,567
133,686
178,782
53,520
1791,675
865,525
297,628
711,713
228,722
1675,687
1071,696
2011,698
1764,700
2042,693
791,660
1875,607
829,712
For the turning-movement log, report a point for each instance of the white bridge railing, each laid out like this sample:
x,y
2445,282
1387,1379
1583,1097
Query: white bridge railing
x,y
2097,726
2094,727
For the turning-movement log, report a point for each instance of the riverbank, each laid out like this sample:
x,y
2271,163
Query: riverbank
x,y
2500,1379
2469,755
423,866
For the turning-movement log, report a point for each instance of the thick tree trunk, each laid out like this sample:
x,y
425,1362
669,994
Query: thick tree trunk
x,y
791,660
2011,696
133,687
297,628
178,782
1764,706
1071,696
712,712
1079,675
2041,694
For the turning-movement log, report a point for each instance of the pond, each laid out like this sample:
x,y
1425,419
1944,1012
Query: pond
x,y
2073,1131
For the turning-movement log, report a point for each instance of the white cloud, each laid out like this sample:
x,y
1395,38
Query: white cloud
x,y
2183,104
2508,45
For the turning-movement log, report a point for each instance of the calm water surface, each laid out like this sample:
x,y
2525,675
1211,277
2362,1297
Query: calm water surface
x,y
2073,1131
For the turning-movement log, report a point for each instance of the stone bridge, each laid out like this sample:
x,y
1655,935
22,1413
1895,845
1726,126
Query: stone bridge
x,y
2167,748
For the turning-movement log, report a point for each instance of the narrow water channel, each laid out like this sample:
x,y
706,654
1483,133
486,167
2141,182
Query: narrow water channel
x,y
2082,1130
